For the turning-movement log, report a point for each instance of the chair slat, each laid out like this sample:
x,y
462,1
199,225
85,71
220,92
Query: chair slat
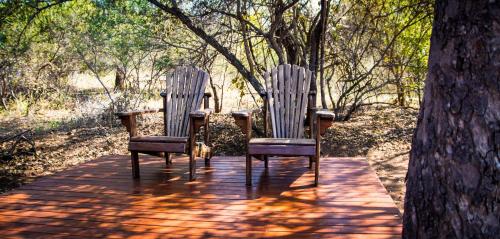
x,y
168,103
180,98
276,105
293,101
270,98
305,95
180,106
281,83
300,99
286,80
201,90
184,93
287,88
187,96
193,90
192,95
175,86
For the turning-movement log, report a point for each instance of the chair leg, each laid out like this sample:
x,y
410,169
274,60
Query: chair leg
x,y
311,159
192,167
316,172
266,161
207,160
134,156
168,159
249,170
207,155
192,152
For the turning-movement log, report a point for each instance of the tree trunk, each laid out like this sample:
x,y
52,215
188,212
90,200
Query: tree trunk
x,y
119,79
454,169
315,44
325,7
215,96
400,92
3,91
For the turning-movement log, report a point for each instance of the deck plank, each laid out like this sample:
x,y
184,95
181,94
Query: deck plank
x,y
100,198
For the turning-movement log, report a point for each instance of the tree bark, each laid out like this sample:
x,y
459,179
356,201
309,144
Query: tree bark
x,y
400,91
325,8
119,79
454,169
217,105
315,43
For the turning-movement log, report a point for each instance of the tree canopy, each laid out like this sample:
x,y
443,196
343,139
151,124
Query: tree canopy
x,y
361,52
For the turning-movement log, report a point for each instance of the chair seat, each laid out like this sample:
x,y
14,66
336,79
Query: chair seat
x,y
282,147
158,144
159,139
282,141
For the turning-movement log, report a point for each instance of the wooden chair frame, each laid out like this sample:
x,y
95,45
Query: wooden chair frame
x,y
317,120
163,146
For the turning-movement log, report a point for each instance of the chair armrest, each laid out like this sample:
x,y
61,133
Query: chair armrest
x,y
201,114
198,114
325,114
208,111
242,113
128,119
243,119
137,112
324,119
199,118
246,112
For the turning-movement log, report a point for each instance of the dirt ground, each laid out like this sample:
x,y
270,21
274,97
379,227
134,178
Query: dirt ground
x,y
381,134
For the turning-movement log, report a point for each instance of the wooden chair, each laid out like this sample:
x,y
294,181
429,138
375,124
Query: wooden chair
x,y
286,99
183,118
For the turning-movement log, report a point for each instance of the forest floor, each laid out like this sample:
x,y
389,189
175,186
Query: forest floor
x,y
382,134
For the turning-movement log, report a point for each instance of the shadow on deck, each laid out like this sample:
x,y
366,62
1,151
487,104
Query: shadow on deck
x,y
100,199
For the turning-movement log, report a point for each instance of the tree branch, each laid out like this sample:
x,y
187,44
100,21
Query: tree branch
x,y
175,11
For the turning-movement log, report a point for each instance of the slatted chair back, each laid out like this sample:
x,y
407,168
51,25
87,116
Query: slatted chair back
x,y
183,94
287,89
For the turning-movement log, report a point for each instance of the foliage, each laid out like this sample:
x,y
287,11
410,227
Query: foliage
x,y
362,52
373,46
375,50
43,43
31,51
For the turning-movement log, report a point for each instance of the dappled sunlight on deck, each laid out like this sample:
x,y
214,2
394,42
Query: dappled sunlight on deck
x,y
100,199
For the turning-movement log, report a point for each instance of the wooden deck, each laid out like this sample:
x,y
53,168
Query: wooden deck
x,y
100,199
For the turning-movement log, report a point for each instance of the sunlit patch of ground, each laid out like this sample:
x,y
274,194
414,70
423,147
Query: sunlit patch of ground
x,y
384,136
